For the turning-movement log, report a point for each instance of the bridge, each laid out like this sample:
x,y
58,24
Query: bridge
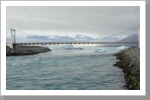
x,y
14,38
77,42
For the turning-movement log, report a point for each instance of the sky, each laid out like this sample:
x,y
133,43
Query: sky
x,y
94,21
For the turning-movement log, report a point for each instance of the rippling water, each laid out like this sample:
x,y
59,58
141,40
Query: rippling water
x,y
65,70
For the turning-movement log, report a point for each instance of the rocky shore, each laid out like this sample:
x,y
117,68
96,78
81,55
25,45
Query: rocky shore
x,y
25,50
129,61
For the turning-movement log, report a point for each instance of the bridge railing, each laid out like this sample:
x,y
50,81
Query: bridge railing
x,y
42,43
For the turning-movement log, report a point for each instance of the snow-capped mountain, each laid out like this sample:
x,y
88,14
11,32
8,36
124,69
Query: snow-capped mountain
x,y
64,38
109,38
132,38
7,39
54,38
61,38
83,37
37,37
71,39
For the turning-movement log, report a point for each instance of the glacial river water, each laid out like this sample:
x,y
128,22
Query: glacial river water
x,y
65,70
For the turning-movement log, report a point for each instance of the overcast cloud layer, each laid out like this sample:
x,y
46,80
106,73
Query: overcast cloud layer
x,y
73,20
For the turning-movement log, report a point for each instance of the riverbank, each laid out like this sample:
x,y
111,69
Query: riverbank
x,y
129,61
25,50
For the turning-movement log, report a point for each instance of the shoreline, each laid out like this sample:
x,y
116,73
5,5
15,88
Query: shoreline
x,y
129,62
25,50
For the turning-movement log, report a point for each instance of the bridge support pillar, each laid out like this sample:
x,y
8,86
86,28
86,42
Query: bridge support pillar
x,y
13,38
139,38
14,46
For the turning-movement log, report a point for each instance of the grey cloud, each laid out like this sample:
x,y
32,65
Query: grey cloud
x,y
94,19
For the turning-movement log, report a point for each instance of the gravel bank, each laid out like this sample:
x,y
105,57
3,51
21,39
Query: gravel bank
x,y
129,61
25,50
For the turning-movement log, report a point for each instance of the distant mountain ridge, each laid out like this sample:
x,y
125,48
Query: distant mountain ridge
x,y
132,38
109,38
60,38
64,38
37,37
54,38
83,37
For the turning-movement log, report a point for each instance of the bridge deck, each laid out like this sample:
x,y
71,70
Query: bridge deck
x,y
32,43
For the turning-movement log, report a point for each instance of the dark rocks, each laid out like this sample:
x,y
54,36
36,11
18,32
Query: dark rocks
x,y
25,50
130,63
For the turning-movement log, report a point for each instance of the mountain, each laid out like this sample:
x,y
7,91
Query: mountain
x,y
52,38
18,39
64,38
132,38
37,37
82,37
109,38
7,39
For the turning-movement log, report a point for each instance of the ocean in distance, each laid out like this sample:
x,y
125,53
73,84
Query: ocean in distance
x,y
62,69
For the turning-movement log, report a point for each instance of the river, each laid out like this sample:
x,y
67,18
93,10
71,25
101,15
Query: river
x,y
62,69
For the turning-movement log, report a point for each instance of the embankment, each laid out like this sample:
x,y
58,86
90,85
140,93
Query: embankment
x,y
25,50
129,61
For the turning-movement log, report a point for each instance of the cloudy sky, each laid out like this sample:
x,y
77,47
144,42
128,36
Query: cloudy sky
x,y
93,21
